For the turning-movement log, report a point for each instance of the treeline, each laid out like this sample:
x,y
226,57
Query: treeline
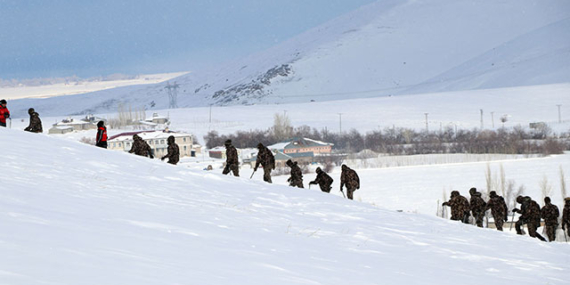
x,y
403,141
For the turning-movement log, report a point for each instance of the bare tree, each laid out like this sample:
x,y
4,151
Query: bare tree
x,y
281,127
545,187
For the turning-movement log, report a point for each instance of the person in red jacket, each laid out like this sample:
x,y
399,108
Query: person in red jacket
x,y
4,113
101,135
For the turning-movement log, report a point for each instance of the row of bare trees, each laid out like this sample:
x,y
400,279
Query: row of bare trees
x,y
403,141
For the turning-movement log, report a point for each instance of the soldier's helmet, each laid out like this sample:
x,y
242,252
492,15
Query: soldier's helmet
x,y
492,194
289,162
259,145
454,193
170,140
136,137
228,142
473,190
3,101
520,199
344,167
567,200
547,200
100,124
319,170
31,111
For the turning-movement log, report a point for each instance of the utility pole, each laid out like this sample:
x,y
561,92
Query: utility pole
x,y
172,94
493,120
481,119
559,117
340,122
427,126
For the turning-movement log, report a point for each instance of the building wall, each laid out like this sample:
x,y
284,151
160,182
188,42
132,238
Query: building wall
x,y
158,145
314,149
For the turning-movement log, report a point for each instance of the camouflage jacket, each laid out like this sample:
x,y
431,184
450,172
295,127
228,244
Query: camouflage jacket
x,y
498,207
566,215
550,214
173,154
350,179
459,206
476,203
324,180
265,158
296,173
35,123
140,147
231,155
530,211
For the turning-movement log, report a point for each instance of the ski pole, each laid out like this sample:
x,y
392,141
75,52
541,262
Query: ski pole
x,y
342,193
252,174
512,221
10,122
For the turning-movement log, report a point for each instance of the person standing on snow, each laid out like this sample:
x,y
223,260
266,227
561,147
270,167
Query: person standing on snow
x,y
459,207
550,215
4,113
232,160
101,139
296,179
267,160
35,122
140,147
173,154
530,215
477,206
324,181
349,178
566,215
498,208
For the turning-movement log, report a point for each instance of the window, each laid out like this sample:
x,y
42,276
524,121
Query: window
x,y
185,140
184,148
162,141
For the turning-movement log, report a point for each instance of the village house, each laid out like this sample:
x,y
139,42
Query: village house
x,y
70,125
157,142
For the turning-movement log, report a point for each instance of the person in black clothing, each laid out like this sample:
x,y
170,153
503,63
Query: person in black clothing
x,y
173,154
101,139
324,181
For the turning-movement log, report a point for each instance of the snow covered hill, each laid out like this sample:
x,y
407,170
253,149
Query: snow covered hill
x,y
385,48
75,214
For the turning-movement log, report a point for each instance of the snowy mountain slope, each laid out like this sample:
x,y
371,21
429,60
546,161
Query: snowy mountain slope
x,y
538,57
383,48
75,214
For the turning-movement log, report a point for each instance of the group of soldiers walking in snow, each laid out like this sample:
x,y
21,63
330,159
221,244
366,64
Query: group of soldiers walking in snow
x,y
266,159
530,212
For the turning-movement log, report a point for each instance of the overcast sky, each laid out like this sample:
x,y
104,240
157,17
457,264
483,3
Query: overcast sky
x,y
59,38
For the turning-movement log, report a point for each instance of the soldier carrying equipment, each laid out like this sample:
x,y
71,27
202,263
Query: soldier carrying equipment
x,y
349,178
232,161
267,160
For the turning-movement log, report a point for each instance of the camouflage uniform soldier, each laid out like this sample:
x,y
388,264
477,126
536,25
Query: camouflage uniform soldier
x,y
550,215
140,147
323,179
267,160
477,206
459,207
499,209
530,215
232,161
349,178
566,216
173,154
35,122
296,179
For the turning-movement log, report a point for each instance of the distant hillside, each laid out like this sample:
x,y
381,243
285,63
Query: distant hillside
x,y
385,48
